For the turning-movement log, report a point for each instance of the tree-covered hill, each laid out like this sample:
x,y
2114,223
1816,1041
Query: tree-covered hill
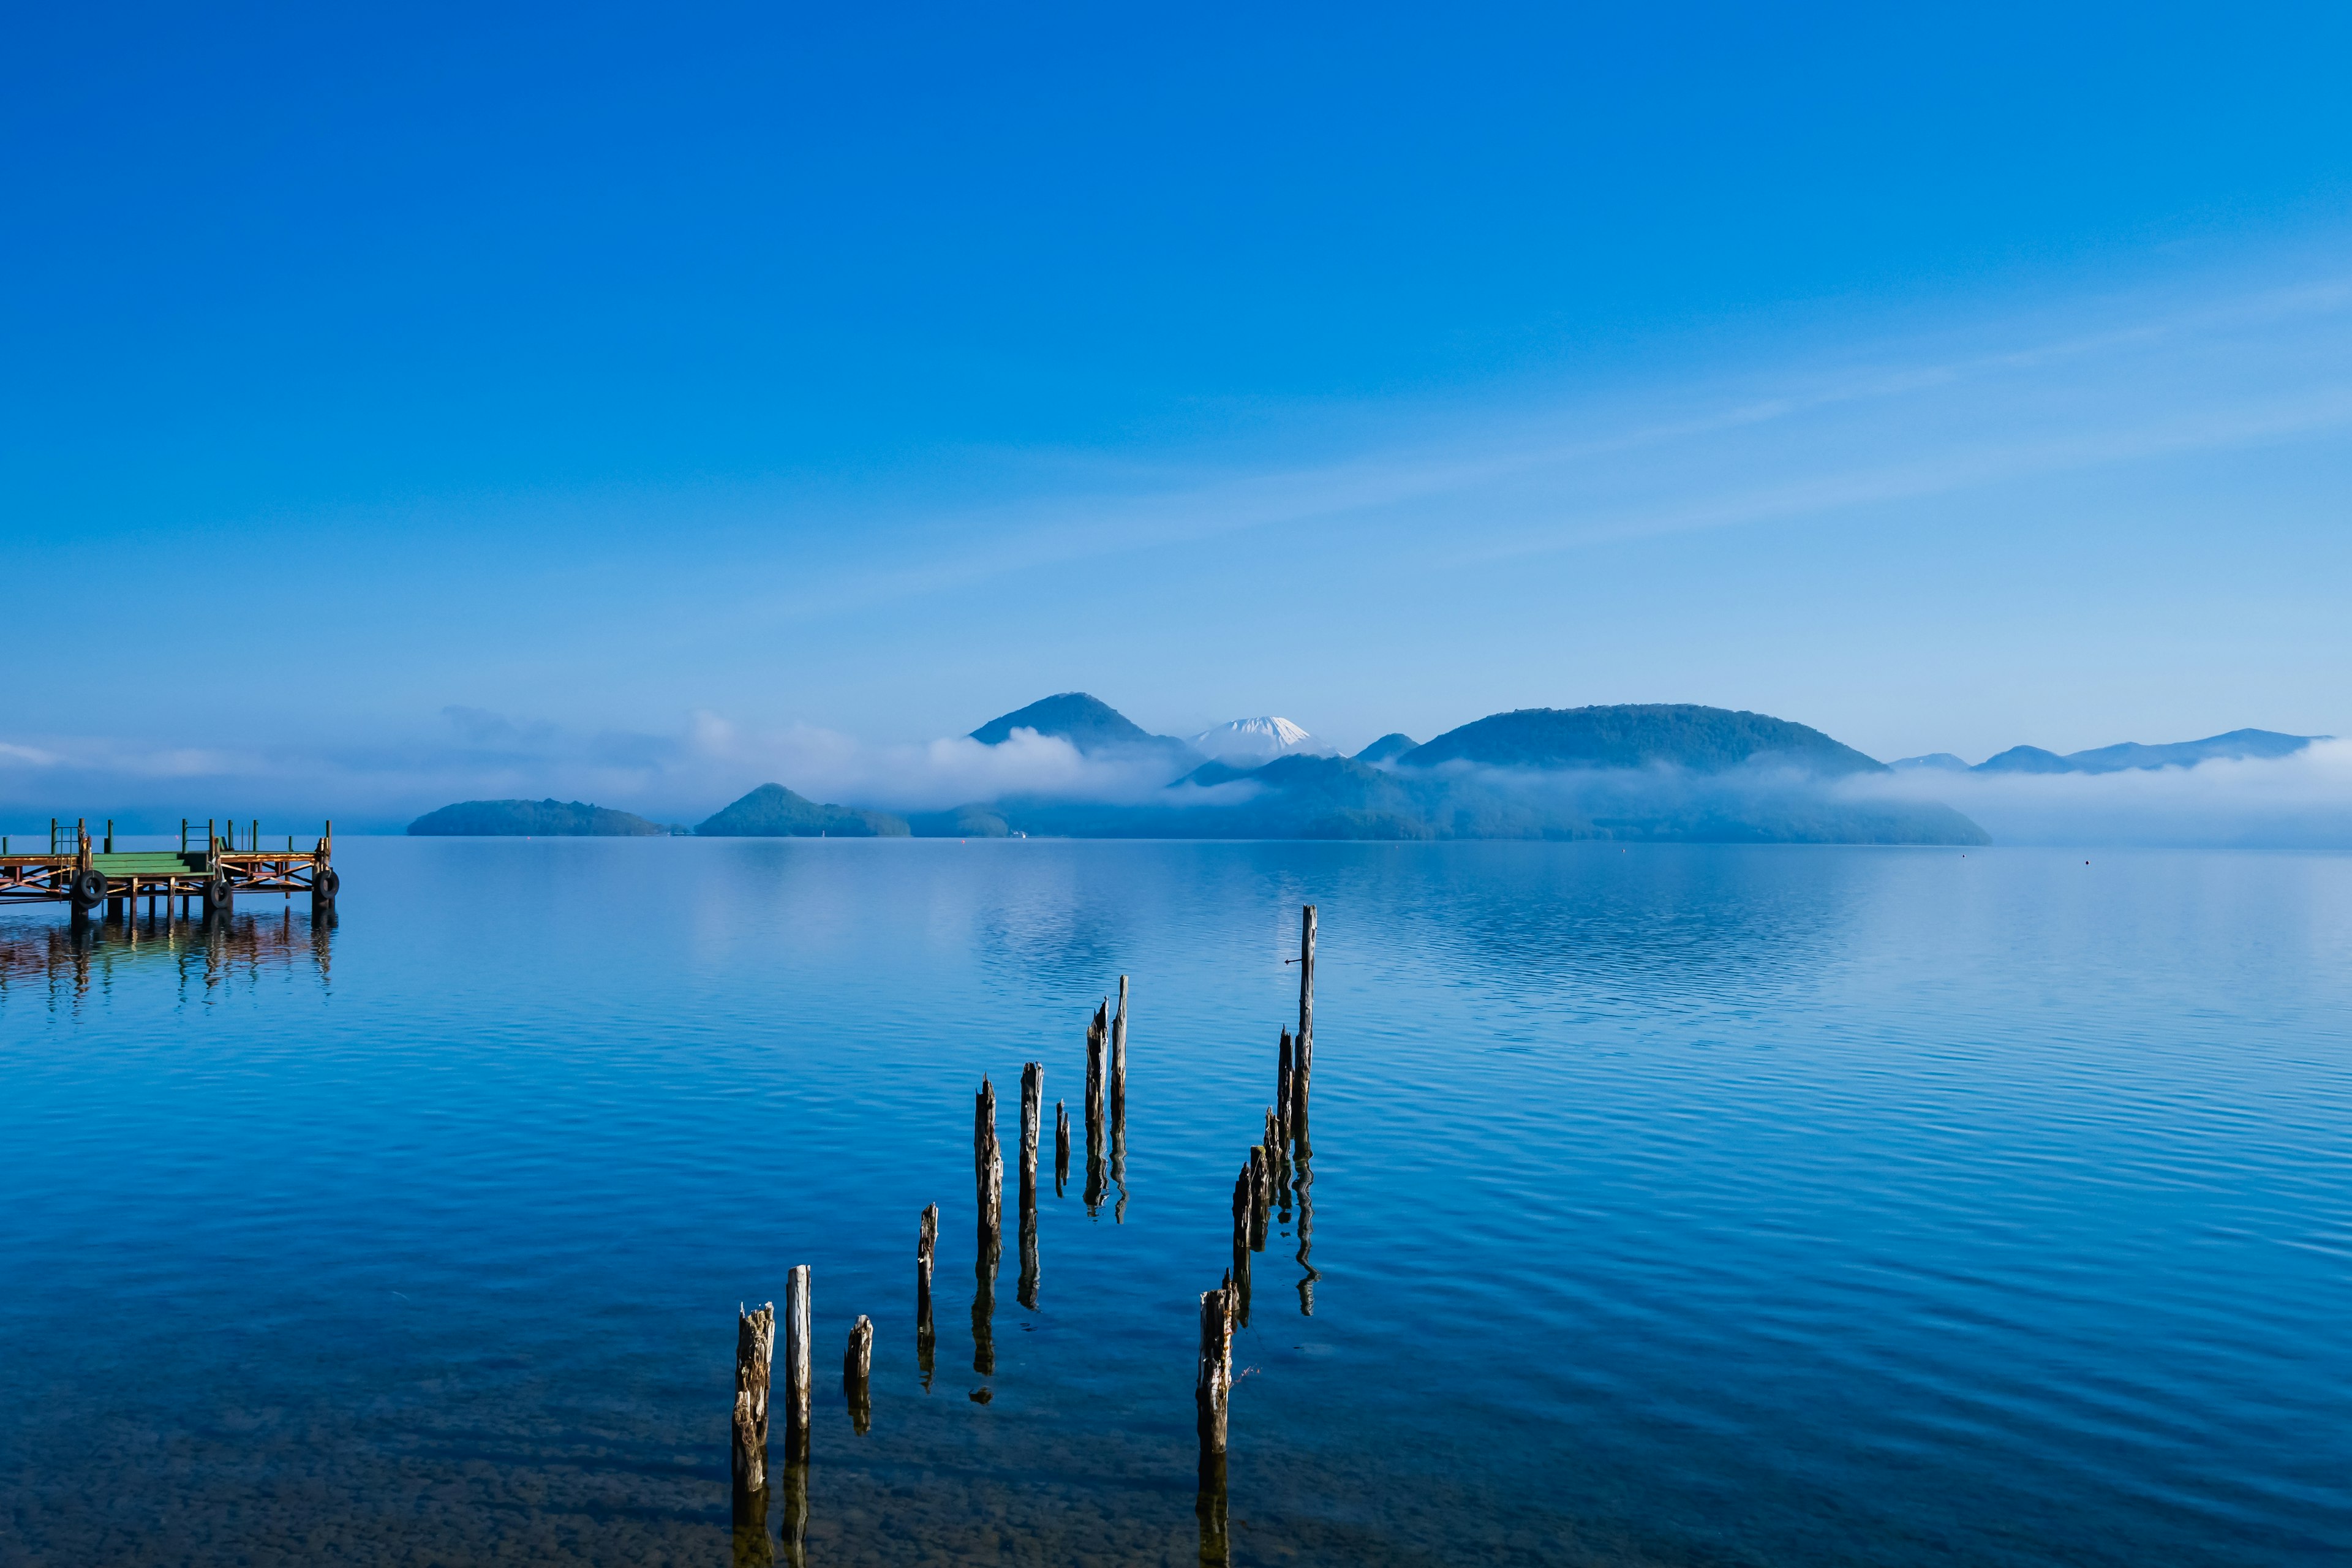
x,y
1637,735
533,820
772,811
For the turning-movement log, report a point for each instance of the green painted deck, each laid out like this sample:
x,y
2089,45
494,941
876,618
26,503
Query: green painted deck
x,y
148,863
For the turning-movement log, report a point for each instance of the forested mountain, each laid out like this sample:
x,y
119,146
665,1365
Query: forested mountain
x,y
1637,735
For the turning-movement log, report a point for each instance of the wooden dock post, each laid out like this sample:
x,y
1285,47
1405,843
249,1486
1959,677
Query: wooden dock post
x,y
988,1171
1238,1276
857,1374
1061,1148
927,1241
1118,1059
796,1364
1261,1181
1285,1067
1098,1071
1032,1108
1212,1383
755,1355
1302,1076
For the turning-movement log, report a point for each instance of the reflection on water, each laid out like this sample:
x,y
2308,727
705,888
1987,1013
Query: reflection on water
x,y
201,956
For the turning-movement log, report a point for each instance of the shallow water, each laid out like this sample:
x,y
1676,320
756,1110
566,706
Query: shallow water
x,y
1672,1205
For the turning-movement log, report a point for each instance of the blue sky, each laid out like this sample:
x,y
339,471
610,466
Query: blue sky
x,y
408,406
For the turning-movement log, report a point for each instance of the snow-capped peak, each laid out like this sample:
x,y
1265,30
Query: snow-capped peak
x,y
1257,741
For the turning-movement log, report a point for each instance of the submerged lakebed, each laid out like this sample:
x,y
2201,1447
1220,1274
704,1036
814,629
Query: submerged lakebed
x,y
1673,1204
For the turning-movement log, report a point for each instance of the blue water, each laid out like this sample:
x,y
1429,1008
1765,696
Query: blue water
x,y
1672,1205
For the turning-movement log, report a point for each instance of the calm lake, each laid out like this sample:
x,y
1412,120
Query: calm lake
x,y
1671,1205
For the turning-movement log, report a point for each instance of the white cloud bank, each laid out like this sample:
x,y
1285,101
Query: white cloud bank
x,y
2301,801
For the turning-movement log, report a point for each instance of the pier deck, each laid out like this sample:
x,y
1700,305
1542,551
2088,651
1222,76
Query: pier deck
x,y
214,863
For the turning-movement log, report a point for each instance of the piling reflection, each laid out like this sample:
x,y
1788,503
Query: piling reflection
x,y
753,1546
796,1511
1305,1187
207,956
1211,1511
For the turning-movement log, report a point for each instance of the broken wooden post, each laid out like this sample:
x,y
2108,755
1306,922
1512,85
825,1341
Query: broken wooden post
x,y
927,1241
857,1372
988,1171
1061,1148
1302,1077
1211,1390
1261,1181
796,1363
1097,1069
1238,1276
1119,1058
1283,1071
1032,1106
1277,1167
755,1355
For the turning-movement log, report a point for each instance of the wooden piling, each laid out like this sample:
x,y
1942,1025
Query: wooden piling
x,y
1238,1276
755,1355
1118,1059
1213,1378
1285,1064
1261,1181
796,1363
1032,1106
858,1373
988,1170
927,1242
1302,1076
1097,1070
1061,1147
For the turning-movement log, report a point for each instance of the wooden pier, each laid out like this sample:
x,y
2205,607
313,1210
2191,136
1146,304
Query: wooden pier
x,y
216,862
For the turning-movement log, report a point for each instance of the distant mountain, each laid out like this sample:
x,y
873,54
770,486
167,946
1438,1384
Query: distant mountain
x,y
2024,760
1255,741
772,811
1636,735
1087,723
2236,745
1942,762
531,819
1096,729
1340,797
1395,743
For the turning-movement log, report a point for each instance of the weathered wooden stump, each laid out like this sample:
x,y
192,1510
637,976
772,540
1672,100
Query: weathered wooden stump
x,y
1061,1147
857,1374
1239,1276
1032,1108
796,1363
755,1355
1261,1184
1302,1074
1212,1379
988,1171
1119,1058
927,1241
1285,1067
